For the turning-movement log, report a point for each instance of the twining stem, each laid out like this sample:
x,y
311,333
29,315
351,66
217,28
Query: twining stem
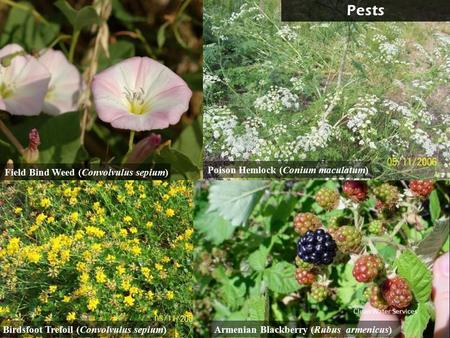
x,y
90,76
397,227
11,137
356,217
131,141
60,38
73,44
183,7
85,100
138,35
130,147
372,247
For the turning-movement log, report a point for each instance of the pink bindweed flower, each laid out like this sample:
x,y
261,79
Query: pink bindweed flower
x,y
65,83
140,94
23,82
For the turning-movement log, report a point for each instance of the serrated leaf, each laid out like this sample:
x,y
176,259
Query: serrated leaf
x,y
235,200
345,294
221,311
258,259
346,277
281,278
253,309
231,293
283,210
214,227
431,310
386,251
414,270
277,313
430,246
446,244
435,205
256,308
415,324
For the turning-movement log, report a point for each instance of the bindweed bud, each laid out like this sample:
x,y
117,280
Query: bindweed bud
x,y
31,154
144,148
5,61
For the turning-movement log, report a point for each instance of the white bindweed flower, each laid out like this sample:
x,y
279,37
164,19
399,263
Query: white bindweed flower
x,y
65,83
23,82
140,94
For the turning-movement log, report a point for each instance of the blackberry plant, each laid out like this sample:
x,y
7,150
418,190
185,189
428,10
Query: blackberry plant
x,y
319,251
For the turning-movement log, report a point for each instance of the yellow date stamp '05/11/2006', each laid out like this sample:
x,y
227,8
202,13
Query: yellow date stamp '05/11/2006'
x,y
405,161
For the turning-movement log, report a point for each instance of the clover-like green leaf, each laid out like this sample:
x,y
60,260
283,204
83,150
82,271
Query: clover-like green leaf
x,y
85,17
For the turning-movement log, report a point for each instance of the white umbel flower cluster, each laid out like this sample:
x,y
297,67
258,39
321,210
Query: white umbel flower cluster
x,y
287,33
276,100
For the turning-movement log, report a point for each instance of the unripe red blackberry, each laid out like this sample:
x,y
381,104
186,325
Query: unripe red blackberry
x,y
355,190
302,264
421,187
396,292
305,277
367,267
387,195
306,221
327,198
376,227
348,239
373,293
319,292
334,223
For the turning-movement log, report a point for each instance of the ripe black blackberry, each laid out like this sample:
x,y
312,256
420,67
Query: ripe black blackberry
x,y
317,247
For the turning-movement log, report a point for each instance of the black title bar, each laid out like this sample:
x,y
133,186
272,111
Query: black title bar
x,y
364,10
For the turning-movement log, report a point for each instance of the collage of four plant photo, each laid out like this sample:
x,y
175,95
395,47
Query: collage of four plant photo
x,y
223,168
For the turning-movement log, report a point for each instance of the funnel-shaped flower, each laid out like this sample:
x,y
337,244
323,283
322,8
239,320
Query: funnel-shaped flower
x,y
140,94
23,82
65,83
